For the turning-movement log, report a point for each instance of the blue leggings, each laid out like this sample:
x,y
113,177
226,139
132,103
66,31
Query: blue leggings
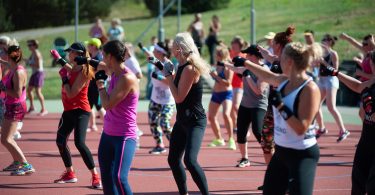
x,y
115,157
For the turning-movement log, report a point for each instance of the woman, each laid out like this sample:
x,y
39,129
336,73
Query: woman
x,y
161,107
236,46
116,32
188,131
253,104
15,104
76,114
222,95
296,156
196,30
212,39
98,31
117,145
364,159
328,86
37,77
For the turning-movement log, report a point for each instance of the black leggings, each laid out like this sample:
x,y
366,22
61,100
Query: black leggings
x,y
363,173
247,116
78,120
293,169
187,137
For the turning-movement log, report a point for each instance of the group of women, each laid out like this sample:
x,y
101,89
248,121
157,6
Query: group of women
x,y
287,134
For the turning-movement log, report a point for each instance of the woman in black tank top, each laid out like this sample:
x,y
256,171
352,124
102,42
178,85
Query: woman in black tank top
x,y
188,131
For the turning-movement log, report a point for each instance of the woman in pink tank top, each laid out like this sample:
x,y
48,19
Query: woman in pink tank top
x,y
15,103
118,142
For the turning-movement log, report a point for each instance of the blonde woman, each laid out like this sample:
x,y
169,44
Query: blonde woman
x,y
222,95
188,131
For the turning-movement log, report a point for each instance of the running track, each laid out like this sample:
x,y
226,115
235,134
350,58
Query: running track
x,y
151,175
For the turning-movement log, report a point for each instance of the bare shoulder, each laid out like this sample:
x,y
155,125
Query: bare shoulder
x,y
311,89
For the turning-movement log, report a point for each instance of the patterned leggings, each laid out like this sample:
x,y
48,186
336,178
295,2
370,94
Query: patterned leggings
x,y
267,142
159,116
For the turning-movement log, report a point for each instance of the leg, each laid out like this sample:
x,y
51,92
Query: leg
x,y
267,142
41,99
82,119
213,109
243,123
176,150
257,118
106,158
154,110
331,104
237,96
361,167
30,95
66,126
8,129
124,153
165,119
227,105
194,139
370,184
276,178
319,116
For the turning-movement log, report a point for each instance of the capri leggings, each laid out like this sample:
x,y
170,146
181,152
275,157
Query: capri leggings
x,y
247,116
267,142
76,120
159,117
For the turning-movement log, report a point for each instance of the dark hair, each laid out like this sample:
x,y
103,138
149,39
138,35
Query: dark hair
x,y
165,47
372,57
309,31
15,53
116,48
367,37
284,38
33,42
331,38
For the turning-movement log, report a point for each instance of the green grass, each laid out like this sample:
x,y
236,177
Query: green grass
x,y
355,17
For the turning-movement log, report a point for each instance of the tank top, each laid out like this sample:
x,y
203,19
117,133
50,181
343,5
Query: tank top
x,y
328,59
32,61
80,101
9,85
121,119
161,94
285,136
236,81
191,107
366,66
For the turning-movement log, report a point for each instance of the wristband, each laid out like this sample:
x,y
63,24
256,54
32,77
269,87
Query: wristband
x,y
285,112
65,80
61,61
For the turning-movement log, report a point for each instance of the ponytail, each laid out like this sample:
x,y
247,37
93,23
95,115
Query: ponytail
x,y
303,55
87,70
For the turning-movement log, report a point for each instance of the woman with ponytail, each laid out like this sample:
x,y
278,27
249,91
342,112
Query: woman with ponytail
x,y
296,155
15,102
75,80
188,131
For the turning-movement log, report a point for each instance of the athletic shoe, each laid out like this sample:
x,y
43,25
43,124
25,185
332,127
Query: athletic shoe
x,y
43,113
96,183
244,162
139,132
343,135
19,125
232,144
217,142
320,132
260,188
17,135
235,130
67,177
158,150
12,167
23,169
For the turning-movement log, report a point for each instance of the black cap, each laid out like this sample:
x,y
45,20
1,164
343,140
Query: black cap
x,y
252,50
77,47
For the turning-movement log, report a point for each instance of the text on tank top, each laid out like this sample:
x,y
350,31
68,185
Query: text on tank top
x,y
284,135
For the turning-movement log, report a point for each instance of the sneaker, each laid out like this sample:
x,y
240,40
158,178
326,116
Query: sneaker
x,y
67,177
320,132
235,130
343,135
244,162
232,144
12,167
23,169
157,150
96,183
30,110
260,188
43,113
139,132
19,125
17,135
217,142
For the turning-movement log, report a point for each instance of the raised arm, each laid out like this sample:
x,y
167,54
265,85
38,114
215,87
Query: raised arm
x,y
352,41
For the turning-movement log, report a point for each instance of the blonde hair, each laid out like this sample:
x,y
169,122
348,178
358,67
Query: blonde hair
x,y
189,50
303,55
223,51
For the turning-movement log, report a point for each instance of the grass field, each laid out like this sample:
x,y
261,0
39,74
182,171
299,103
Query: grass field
x,y
355,17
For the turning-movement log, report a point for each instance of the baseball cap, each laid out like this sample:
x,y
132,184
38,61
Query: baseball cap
x,y
252,50
270,35
94,41
77,47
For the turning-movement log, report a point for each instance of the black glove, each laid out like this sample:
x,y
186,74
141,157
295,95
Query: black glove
x,y
246,73
168,69
156,76
238,61
220,63
156,62
84,60
276,68
61,61
368,100
2,86
276,100
100,75
327,71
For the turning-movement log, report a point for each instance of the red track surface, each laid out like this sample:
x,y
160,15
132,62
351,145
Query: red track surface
x,y
150,173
